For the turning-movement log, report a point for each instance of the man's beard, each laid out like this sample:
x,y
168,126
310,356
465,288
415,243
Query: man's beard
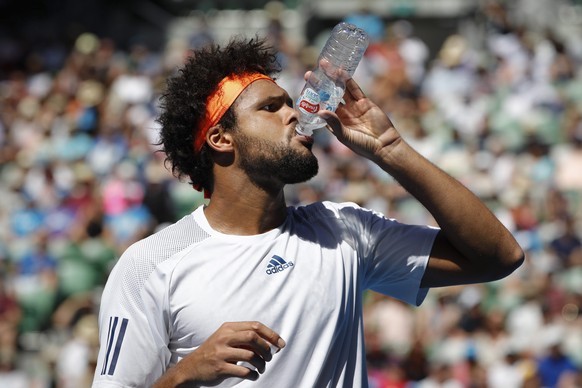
x,y
269,165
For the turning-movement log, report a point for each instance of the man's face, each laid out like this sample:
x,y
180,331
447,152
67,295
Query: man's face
x,y
268,148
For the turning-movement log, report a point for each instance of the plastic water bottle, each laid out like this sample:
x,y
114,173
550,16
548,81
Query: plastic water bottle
x,y
336,64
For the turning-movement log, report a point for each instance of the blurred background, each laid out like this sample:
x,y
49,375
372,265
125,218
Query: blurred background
x,y
491,91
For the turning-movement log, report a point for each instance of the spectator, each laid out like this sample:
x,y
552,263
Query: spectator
x,y
567,243
555,367
506,373
440,376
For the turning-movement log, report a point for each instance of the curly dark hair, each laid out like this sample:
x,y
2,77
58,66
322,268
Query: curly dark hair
x,y
184,102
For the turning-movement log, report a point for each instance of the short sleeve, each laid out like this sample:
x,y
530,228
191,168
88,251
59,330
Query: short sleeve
x,y
133,331
393,256
400,256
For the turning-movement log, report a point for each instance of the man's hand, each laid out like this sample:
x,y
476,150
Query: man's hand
x,y
360,124
220,356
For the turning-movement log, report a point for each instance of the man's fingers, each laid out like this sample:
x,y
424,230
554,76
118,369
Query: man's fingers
x,y
248,359
256,336
253,342
267,333
332,121
241,371
254,363
260,348
353,91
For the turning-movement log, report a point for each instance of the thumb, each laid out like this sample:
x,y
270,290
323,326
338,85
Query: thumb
x,y
332,121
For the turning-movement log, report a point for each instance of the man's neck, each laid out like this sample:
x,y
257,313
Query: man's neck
x,y
246,212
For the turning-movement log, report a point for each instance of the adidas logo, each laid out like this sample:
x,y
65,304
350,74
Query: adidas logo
x,y
277,264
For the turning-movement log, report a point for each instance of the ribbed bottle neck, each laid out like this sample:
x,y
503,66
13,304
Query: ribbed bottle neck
x,y
342,55
345,47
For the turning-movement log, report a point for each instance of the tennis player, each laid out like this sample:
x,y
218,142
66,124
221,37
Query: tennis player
x,y
247,291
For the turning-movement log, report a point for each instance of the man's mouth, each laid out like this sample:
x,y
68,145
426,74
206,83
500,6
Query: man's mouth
x,y
306,140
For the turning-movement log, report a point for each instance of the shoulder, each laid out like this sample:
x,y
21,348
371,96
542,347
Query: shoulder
x,y
346,212
167,242
331,221
141,259
327,209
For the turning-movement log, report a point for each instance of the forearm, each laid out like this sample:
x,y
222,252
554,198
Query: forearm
x,y
476,246
465,221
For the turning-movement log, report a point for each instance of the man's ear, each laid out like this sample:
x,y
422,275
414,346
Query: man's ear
x,y
218,139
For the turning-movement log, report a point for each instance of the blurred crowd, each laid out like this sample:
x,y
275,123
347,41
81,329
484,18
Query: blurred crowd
x,y
82,179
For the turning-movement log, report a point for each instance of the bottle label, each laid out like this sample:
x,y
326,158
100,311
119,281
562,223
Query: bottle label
x,y
309,101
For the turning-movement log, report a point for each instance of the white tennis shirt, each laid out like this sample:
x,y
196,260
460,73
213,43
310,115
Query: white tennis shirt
x,y
169,292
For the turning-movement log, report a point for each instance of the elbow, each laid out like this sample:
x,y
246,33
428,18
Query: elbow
x,y
508,263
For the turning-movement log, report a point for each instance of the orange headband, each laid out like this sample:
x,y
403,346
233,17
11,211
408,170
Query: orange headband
x,y
218,102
